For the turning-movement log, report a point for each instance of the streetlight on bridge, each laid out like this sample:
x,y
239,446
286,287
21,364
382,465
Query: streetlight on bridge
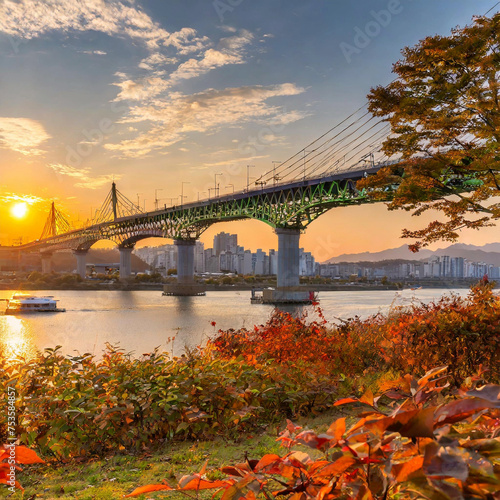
x,y
216,190
275,177
248,176
182,192
156,198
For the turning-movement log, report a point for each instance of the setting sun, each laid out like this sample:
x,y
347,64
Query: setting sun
x,y
19,210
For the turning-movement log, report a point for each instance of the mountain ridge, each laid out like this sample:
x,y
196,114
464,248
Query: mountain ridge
x,y
488,253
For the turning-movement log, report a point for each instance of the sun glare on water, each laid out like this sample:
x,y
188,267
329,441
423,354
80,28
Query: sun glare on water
x,y
19,210
16,339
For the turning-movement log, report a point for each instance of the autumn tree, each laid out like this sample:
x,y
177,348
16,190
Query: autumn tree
x,y
443,109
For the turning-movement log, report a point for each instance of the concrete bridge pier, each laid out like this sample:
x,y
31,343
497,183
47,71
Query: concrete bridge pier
x,y
185,285
46,262
125,262
185,261
288,288
81,262
288,257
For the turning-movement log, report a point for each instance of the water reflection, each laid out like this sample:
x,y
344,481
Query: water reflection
x,y
16,338
139,321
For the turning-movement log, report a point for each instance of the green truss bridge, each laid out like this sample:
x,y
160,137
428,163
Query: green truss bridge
x,y
288,198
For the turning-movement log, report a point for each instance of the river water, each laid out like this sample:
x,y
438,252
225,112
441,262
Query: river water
x,y
139,321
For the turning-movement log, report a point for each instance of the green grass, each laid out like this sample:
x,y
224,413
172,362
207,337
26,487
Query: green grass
x,y
115,476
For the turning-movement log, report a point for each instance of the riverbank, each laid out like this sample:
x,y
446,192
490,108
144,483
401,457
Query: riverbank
x,y
72,282
134,286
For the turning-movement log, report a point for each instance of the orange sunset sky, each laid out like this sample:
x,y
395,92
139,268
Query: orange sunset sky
x,y
153,93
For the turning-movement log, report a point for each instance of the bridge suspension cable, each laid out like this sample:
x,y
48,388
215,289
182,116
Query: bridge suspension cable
x,y
344,147
56,223
115,206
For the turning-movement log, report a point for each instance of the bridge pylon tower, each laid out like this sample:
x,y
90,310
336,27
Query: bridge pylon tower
x,y
56,223
115,206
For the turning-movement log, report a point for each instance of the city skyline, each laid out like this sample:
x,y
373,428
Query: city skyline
x,y
154,94
227,257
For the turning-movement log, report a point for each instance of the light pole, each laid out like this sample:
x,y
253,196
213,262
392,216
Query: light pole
x,y
216,194
156,198
210,189
306,151
138,204
275,177
144,205
248,176
182,192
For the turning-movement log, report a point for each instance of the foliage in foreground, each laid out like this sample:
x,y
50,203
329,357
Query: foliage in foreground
x,y
74,406
461,333
420,448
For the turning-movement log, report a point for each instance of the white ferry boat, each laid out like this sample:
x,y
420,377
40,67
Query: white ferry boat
x,y
20,304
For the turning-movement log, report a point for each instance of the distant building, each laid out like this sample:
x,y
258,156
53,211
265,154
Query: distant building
x,y
224,242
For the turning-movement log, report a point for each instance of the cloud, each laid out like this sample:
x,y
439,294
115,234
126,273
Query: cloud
x,y
211,59
93,52
85,180
230,50
22,135
178,115
142,89
157,59
29,19
235,161
26,198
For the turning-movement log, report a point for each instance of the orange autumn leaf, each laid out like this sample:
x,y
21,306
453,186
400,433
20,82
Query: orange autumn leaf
x,y
195,482
267,460
345,401
7,482
460,409
26,456
337,429
367,398
335,468
413,423
237,490
401,472
364,493
148,489
233,471
431,373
